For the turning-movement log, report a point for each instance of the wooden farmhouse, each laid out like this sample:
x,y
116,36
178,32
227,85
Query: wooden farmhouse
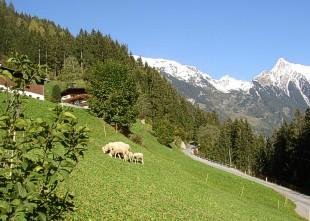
x,y
194,146
33,90
75,96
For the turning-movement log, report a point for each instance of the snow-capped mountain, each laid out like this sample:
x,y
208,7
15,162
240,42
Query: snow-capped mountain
x,y
194,75
285,74
267,100
175,69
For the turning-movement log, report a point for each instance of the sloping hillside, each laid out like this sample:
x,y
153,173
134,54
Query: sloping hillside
x,y
169,186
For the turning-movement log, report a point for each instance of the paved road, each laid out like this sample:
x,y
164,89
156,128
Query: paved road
x,y
302,201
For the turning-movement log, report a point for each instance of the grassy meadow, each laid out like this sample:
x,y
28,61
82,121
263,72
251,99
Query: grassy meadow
x,y
169,186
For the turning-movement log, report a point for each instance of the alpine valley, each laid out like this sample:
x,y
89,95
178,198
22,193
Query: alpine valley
x,y
270,98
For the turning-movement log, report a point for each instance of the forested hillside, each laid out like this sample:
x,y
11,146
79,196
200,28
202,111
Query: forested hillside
x,y
287,155
284,157
70,59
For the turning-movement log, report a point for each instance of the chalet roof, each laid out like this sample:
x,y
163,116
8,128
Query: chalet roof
x,y
34,88
73,90
14,73
194,143
80,97
17,74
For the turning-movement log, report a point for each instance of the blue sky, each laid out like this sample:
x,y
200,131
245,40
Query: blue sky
x,y
236,37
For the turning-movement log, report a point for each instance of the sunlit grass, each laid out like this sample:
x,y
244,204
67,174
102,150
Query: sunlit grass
x,y
169,186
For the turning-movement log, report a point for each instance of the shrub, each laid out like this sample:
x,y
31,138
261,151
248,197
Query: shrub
x,y
164,131
136,138
114,93
35,156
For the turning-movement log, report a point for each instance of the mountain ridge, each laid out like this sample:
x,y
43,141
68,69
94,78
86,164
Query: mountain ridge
x,y
282,65
271,97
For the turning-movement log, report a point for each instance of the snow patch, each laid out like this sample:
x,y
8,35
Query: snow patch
x,y
191,100
227,84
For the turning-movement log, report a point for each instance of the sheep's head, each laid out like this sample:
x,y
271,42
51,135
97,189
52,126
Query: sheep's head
x,y
106,149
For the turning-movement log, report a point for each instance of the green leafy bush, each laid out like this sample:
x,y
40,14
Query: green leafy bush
x,y
35,156
114,93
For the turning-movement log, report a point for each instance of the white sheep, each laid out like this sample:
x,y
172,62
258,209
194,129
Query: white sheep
x,y
117,149
106,148
129,156
138,157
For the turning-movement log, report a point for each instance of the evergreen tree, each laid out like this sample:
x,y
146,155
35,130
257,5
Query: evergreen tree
x,y
287,153
303,155
56,94
225,142
71,70
208,139
164,131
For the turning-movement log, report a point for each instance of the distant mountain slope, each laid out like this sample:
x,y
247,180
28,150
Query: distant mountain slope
x,y
271,97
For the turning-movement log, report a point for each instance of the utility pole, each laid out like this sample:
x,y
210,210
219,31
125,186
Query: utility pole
x,y
229,157
82,62
55,65
64,58
45,62
39,56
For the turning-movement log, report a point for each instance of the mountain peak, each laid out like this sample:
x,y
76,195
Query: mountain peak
x,y
287,68
281,65
282,60
284,73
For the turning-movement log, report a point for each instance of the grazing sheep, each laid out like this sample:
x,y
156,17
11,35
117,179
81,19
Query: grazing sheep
x,y
116,149
129,156
120,153
106,148
138,157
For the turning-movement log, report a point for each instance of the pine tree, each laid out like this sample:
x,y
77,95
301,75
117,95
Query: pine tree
x,y
225,142
303,155
71,70
163,130
56,94
208,139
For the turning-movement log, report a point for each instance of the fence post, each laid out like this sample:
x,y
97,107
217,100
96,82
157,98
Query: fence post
x,y
242,192
105,132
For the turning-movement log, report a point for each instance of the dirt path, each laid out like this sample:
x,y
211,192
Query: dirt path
x,y
302,201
